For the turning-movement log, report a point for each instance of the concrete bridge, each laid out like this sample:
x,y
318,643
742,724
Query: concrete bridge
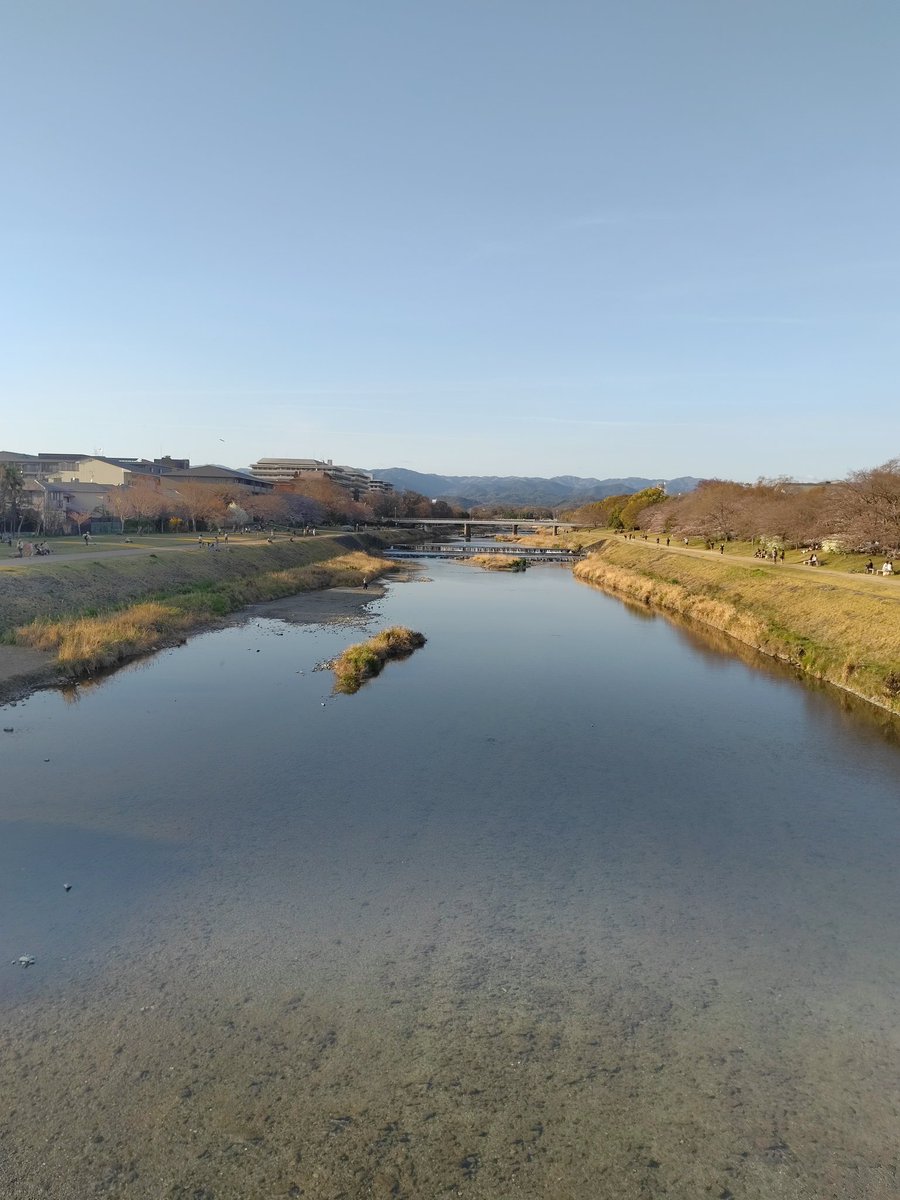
x,y
455,550
467,524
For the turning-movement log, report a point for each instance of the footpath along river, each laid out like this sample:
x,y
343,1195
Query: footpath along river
x,y
569,904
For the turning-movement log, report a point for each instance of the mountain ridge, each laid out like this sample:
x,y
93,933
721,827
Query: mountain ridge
x,y
557,491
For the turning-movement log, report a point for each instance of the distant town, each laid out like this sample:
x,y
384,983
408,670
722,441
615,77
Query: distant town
x,y
56,494
52,493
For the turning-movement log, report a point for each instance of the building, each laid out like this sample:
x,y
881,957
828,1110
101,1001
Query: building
x,y
212,473
88,468
357,482
55,503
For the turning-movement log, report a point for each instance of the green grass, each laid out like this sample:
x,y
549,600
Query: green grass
x,y
53,591
364,660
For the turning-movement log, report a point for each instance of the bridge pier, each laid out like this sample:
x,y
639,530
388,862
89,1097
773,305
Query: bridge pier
x,y
515,530
467,532
556,531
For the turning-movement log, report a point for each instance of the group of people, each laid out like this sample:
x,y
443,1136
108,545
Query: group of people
x,y
887,567
775,554
31,549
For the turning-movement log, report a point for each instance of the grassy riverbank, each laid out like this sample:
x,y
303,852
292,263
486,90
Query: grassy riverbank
x,y
94,614
844,631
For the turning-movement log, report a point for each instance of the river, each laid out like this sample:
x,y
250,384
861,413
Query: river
x,y
569,904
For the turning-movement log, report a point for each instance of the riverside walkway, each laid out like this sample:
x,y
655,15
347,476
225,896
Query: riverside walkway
x,y
102,548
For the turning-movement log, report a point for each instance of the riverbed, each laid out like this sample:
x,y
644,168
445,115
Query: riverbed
x,y
569,904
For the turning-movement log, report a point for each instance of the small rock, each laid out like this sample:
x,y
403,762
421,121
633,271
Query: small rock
x,y
67,886
24,960
7,728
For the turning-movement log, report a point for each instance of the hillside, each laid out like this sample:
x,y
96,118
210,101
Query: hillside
x,y
558,492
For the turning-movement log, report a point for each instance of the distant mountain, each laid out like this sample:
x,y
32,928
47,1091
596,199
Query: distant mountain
x,y
562,491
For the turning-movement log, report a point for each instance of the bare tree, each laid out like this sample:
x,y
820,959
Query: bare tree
x,y
147,501
78,519
266,509
117,502
12,487
199,502
867,506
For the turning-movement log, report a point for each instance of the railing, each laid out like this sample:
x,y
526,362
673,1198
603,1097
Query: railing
x,y
529,553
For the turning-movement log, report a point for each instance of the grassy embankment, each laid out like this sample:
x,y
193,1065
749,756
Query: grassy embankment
x,y
95,614
842,631
586,539
365,660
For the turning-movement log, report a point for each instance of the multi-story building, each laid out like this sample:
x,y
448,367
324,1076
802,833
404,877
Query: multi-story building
x,y
88,468
357,482
55,503
214,474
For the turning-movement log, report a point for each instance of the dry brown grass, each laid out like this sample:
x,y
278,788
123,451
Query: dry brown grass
x,y
86,644
365,660
848,635
496,562
95,642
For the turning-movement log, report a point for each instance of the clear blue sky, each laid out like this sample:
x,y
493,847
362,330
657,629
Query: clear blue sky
x,y
468,236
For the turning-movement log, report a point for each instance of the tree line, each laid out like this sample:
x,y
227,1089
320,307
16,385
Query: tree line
x,y
167,505
315,500
861,512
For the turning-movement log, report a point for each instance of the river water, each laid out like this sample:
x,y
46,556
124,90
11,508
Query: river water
x,y
568,904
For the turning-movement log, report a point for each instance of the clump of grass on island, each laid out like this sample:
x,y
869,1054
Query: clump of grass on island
x,y
96,641
497,562
365,660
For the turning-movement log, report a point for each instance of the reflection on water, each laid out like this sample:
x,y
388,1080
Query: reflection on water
x,y
557,907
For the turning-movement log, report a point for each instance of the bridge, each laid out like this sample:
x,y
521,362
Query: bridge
x,y
467,524
455,550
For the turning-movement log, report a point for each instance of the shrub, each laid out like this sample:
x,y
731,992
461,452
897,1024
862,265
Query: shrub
x,y
365,660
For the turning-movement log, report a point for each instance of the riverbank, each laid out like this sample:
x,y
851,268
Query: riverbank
x,y
73,619
845,631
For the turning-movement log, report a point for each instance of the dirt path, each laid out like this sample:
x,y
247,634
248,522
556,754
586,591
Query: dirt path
x,y
11,562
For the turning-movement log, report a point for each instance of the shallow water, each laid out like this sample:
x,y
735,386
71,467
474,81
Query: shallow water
x,y
567,904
